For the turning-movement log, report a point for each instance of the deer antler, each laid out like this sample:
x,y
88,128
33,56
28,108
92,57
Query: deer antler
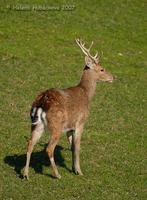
x,y
87,51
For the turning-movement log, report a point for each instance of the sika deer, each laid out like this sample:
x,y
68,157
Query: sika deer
x,y
65,110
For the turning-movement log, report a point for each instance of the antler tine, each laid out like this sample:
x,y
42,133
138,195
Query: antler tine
x,y
78,41
87,51
83,46
90,46
96,55
99,56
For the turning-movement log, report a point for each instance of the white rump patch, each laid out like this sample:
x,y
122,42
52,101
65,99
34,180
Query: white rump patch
x,y
40,114
33,112
44,118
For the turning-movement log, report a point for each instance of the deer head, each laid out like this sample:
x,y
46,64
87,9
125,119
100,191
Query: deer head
x,y
92,62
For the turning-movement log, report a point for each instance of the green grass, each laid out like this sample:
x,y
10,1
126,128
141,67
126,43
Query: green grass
x,y
37,52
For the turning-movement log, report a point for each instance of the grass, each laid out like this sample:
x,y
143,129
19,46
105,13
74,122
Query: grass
x,y
37,52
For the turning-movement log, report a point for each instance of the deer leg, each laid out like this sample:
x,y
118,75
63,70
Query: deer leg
x,y
76,150
37,131
69,137
50,150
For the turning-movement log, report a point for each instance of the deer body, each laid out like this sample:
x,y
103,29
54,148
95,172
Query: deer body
x,y
65,110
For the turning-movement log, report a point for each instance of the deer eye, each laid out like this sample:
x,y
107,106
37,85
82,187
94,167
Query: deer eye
x,y
102,70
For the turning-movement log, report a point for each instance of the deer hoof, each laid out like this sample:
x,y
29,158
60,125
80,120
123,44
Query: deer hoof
x,y
78,172
58,176
25,175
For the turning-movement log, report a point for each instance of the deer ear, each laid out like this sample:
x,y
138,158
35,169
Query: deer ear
x,y
88,62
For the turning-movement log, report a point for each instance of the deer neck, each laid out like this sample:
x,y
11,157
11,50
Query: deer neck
x,y
88,83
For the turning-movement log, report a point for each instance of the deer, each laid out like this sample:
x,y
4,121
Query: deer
x,y
66,110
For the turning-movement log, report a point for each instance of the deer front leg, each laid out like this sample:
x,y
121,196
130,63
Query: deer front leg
x,y
50,150
76,150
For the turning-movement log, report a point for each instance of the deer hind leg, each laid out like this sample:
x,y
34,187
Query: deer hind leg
x,y
37,131
50,151
76,150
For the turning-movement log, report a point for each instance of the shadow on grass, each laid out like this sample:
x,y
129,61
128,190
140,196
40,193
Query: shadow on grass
x,y
38,160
